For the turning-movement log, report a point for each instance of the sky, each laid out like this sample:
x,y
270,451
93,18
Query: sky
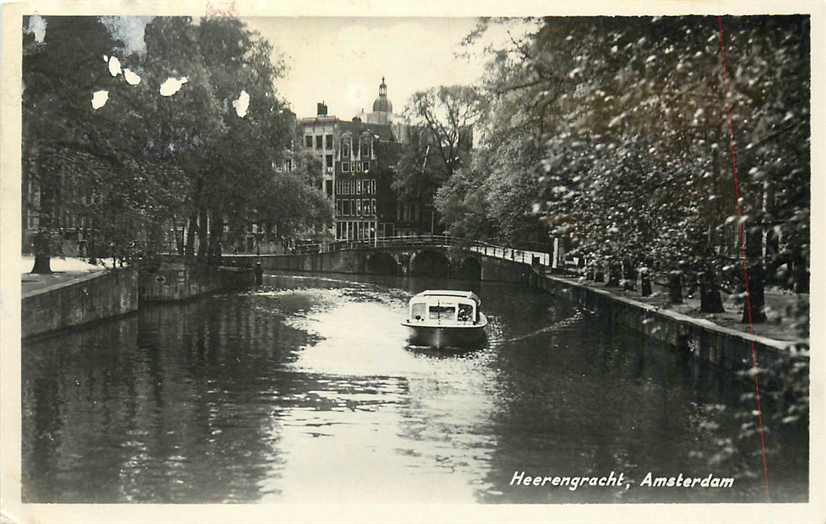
x,y
341,61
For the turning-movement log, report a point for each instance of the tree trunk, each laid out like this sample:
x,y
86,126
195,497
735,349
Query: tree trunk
x,y
215,234
614,273
42,254
91,250
203,238
645,283
42,264
756,299
710,299
801,275
190,235
629,275
675,287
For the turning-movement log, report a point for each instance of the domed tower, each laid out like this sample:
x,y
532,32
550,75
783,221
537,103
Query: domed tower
x,y
382,107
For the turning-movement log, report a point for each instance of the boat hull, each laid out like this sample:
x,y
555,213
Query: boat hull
x,y
445,336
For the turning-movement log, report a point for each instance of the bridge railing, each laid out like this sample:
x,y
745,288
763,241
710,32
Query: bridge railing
x,y
526,256
478,246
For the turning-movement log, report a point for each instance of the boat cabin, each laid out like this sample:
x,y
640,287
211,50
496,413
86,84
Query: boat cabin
x,y
445,307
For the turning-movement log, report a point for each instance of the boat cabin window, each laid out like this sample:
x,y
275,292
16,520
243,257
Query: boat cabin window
x,y
419,311
442,312
465,313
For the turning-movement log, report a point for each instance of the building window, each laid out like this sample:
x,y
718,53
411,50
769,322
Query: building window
x,y
353,206
346,208
338,206
356,167
329,161
358,186
318,141
345,149
373,186
373,206
328,141
328,187
366,166
308,140
345,167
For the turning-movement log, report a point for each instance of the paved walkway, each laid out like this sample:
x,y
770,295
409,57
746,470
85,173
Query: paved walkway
x,y
64,270
782,309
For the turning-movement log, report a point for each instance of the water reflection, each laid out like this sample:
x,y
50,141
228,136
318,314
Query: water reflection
x,y
307,389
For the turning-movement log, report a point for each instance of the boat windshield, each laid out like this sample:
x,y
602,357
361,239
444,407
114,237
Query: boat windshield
x,y
442,312
465,313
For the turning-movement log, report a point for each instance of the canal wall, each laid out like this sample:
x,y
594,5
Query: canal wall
x,y
85,299
173,282
107,294
501,270
723,347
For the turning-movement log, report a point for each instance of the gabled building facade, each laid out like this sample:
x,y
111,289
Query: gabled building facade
x,y
358,159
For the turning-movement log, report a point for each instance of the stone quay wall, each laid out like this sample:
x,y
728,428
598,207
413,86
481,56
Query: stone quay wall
x,y
108,294
181,282
723,347
89,298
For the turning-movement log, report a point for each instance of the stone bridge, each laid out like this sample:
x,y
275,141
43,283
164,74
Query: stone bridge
x,y
432,255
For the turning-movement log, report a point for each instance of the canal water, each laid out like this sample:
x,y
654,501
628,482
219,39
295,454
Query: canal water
x,y
305,390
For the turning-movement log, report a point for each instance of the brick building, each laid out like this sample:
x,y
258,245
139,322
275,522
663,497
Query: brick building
x,y
358,159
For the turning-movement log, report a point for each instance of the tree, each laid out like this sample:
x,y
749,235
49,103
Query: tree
x,y
591,90
145,155
440,140
120,157
58,79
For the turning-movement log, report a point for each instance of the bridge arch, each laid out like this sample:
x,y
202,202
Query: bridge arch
x,y
469,269
381,263
431,263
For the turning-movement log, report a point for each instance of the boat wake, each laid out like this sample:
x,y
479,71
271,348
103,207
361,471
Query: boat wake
x,y
559,325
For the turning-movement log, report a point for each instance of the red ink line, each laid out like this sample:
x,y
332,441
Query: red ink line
x,y
742,253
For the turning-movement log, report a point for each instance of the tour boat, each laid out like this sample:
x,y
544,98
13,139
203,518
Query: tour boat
x,y
445,318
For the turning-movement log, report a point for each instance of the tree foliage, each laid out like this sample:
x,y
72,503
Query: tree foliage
x,y
441,123
145,159
615,133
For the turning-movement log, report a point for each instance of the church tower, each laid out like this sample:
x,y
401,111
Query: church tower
x,y
382,107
